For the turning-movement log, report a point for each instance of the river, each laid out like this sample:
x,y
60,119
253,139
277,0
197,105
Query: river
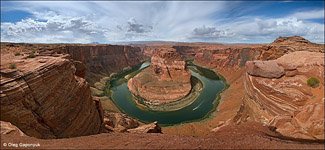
x,y
201,108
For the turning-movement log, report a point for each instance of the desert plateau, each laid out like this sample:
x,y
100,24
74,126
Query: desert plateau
x,y
160,94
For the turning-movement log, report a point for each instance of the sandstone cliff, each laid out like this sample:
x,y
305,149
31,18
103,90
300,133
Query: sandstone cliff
x,y
278,94
102,60
45,99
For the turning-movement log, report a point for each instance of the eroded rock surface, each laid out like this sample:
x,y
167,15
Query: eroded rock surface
x,y
287,102
119,122
147,128
266,69
284,45
167,79
8,128
44,98
102,60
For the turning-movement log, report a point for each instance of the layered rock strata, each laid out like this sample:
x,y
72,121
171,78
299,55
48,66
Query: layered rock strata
x,y
44,98
278,94
284,45
102,60
166,80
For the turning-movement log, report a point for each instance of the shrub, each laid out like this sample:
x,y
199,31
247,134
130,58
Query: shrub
x,y
17,53
12,66
31,55
313,82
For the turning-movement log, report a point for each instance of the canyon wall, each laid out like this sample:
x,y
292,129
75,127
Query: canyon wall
x,y
102,60
277,94
226,58
45,99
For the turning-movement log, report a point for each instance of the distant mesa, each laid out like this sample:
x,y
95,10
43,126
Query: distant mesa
x,y
166,80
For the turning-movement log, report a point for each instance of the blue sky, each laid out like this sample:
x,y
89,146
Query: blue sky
x,y
210,21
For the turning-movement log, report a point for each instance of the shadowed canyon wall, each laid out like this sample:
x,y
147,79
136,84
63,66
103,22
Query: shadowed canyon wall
x,y
102,60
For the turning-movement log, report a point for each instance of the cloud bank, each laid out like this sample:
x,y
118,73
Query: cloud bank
x,y
106,22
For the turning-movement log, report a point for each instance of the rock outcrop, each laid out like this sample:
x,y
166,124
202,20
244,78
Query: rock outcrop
x,y
118,122
266,69
284,45
278,94
44,98
147,128
166,80
8,128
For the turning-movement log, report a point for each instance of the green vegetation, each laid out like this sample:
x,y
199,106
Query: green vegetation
x,y
99,85
126,68
313,82
96,92
12,66
17,54
31,55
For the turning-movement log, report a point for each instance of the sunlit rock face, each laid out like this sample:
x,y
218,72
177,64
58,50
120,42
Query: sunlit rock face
x,y
168,66
278,94
166,80
45,98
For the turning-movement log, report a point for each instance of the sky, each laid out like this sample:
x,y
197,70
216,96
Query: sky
x,y
181,21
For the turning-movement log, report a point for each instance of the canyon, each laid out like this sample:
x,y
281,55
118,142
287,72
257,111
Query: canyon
x,y
52,91
166,80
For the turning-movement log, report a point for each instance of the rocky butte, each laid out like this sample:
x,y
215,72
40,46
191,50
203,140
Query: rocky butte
x,y
166,80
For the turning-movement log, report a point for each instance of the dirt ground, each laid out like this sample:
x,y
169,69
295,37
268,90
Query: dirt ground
x,y
244,136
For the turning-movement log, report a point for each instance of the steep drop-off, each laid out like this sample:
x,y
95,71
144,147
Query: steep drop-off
x,y
102,60
45,99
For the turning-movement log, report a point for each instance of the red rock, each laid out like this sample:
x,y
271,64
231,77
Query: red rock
x,y
47,100
288,103
102,60
167,79
118,122
266,69
147,128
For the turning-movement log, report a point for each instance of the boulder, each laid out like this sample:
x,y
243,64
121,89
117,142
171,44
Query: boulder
x,y
147,128
265,69
119,122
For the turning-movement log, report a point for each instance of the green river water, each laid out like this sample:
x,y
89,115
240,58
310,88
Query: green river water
x,y
205,103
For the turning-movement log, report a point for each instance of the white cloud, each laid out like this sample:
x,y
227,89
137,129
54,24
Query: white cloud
x,y
313,14
210,33
55,29
84,22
